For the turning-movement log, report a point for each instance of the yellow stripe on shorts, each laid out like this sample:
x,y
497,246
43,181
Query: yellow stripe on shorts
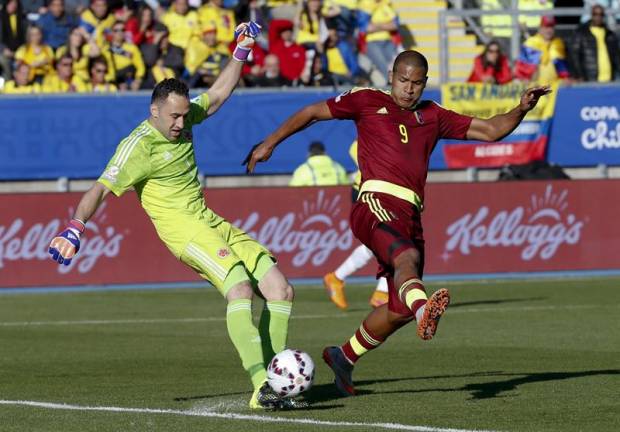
x,y
375,207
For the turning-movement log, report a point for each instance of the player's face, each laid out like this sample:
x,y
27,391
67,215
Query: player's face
x,y
169,117
408,83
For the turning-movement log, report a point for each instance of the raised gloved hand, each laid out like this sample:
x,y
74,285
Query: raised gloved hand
x,y
245,35
66,244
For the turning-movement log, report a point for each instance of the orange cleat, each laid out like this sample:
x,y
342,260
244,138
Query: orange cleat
x,y
378,298
435,307
335,290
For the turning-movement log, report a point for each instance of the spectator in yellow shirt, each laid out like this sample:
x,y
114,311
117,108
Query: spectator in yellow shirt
x,y
21,82
213,14
63,80
182,24
204,58
36,54
319,169
97,21
98,68
79,51
125,63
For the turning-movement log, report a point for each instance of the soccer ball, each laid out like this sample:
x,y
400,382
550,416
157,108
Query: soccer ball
x,y
290,372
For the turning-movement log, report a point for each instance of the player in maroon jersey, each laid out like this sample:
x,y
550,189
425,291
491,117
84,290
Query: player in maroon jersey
x,y
397,131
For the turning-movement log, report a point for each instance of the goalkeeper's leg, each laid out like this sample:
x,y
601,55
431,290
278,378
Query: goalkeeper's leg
x,y
278,293
241,329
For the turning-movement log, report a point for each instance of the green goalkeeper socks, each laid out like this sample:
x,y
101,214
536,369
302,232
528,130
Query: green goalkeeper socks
x,y
246,339
273,327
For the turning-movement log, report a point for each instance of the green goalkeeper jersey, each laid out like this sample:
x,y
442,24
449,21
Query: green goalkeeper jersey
x,y
165,177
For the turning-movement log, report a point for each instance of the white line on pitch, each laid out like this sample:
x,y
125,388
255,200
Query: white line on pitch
x,y
232,416
336,315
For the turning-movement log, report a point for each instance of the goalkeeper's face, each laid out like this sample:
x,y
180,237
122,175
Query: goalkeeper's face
x,y
169,116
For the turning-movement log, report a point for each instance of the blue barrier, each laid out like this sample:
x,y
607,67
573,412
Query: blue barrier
x,y
586,127
48,137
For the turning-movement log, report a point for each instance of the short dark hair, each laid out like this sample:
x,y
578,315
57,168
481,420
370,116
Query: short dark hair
x,y
412,58
167,86
316,148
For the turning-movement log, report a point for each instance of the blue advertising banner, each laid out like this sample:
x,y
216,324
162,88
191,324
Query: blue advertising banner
x,y
586,127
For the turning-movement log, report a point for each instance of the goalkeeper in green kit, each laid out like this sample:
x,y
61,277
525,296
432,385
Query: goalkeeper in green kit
x,y
157,160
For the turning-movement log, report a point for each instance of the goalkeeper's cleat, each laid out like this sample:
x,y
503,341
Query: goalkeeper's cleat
x,y
435,307
343,370
378,298
264,398
335,290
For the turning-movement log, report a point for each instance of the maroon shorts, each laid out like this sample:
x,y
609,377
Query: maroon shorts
x,y
388,226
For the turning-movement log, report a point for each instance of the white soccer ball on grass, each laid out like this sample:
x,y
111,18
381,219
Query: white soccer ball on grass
x,y
290,372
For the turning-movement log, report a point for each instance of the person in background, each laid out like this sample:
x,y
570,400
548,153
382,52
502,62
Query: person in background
x,y
213,14
63,81
57,24
378,22
36,54
98,68
97,22
79,51
182,24
594,51
319,169
125,64
543,56
292,56
21,82
13,26
491,66
270,75
205,57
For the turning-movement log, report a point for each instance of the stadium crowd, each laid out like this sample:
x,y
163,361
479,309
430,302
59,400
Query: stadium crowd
x,y
120,45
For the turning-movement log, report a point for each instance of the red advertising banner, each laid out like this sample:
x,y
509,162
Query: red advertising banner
x,y
469,228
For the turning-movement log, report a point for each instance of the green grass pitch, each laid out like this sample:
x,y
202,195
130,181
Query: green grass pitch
x,y
508,356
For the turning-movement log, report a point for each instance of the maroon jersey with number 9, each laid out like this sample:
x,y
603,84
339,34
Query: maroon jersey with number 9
x,y
395,144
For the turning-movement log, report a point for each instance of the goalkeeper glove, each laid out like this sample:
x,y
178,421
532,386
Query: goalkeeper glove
x,y
66,244
245,35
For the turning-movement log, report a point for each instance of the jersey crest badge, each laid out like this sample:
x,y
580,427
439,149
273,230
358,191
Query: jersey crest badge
x,y
418,117
382,110
223,252
167,156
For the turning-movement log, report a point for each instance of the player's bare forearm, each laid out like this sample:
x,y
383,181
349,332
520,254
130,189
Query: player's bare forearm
x,y
298,121
224,85
501,125
91,201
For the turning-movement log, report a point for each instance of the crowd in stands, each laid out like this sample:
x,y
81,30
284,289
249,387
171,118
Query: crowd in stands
x,y
126,45
590,53
123,45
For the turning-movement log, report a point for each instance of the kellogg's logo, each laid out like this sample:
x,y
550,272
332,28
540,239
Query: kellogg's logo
x,y
319,229
540,229
31,243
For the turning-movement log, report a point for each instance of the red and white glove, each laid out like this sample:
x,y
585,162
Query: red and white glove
x,y
245,35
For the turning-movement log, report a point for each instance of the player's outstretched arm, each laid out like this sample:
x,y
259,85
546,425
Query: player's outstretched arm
x,y
66,244
497,127
222,88
298,121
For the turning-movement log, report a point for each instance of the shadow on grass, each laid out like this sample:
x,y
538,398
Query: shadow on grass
x,y
490,389
471,303
495,302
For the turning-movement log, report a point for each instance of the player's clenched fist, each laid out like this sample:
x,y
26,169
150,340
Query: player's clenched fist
x,y
245,34
66,244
